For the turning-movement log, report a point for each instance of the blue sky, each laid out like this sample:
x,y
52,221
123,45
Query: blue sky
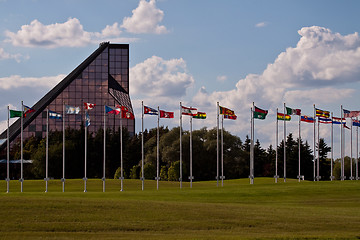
x,y
198,52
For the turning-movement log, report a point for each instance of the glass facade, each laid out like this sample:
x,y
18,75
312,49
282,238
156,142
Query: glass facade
x,y
91,85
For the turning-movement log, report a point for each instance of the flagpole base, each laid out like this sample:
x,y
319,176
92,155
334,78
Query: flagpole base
x,y
351,178
332,178
276,177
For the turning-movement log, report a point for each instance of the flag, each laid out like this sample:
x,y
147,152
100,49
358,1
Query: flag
x,y
260,113
149,110
188,111
200,115
125,113
164,114
72,110
14,113
292,111
87,119
322,113
226,111
89,106
54,115
307,119
112,110
346,126
28,110
233,117
336,120
351,114
324,120
280,116
356,123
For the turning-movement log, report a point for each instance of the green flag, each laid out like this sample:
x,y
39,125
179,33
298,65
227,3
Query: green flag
x,y
14,113
260,113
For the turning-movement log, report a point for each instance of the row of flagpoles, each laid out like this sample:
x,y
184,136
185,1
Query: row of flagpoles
x,y
256,113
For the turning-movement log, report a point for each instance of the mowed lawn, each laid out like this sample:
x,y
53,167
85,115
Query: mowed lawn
x,y
291,210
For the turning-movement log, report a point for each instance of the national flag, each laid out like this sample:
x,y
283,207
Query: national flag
x,y
356,123
188,111
260,113
292,111
280,116
346,126
112,110
15,113
149,110
87,119
226,111
233,117
322,113
125,113
72,110
200,115
336,120
89,106
164,114
28,110
54,115
307,119
324,120
351,114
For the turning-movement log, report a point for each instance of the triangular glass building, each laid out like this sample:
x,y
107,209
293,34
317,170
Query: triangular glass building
x,y
102,79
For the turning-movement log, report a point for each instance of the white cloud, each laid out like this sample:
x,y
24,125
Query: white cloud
x,y
156,77
221,78
17,57
261,24
68,34
145,19
17,81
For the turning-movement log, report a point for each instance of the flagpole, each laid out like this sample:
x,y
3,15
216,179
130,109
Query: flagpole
x,y
180,179
357,150
121,154
47,150
342,154
252,146
276,151
142,144
284,144
351,151
8,152
332,148
314,142
63,175
191,175
318,155
157,150
85,179
222,151
103,179
299,147
22,156
217,145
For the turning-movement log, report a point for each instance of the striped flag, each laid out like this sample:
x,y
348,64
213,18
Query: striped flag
x,y
336,120
324,120
322,113
351,114
200,115
54,115
188,111
280,116
307,119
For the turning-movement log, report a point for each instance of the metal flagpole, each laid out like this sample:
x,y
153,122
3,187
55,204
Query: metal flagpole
x,y
121,154
332,149
8,152
47,151
63,173
299,147
191,174
252,146
142,145
276,151
22,156
357,150
284,144
217,145
342,154
314,142
85,179
180,179
104,161
157,150
222,151
318,155
351,151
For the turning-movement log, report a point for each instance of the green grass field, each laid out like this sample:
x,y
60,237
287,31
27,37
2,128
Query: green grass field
x,y
265,210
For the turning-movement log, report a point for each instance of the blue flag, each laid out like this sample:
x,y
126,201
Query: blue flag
x,y
87,119
54,115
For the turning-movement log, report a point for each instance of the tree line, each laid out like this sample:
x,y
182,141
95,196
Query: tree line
x,y
204,142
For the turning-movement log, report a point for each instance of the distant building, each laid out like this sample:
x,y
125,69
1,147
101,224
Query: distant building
x,y
102,79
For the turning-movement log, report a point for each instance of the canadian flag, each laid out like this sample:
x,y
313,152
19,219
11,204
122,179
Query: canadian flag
x,y
88,106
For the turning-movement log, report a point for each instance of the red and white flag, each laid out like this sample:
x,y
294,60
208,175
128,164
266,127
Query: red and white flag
x,y
89,106
164,114
188,111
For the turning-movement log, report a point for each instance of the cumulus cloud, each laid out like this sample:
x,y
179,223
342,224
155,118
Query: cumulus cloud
x,y
68,34
161,78
17,57
17,81
261,24
145,19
